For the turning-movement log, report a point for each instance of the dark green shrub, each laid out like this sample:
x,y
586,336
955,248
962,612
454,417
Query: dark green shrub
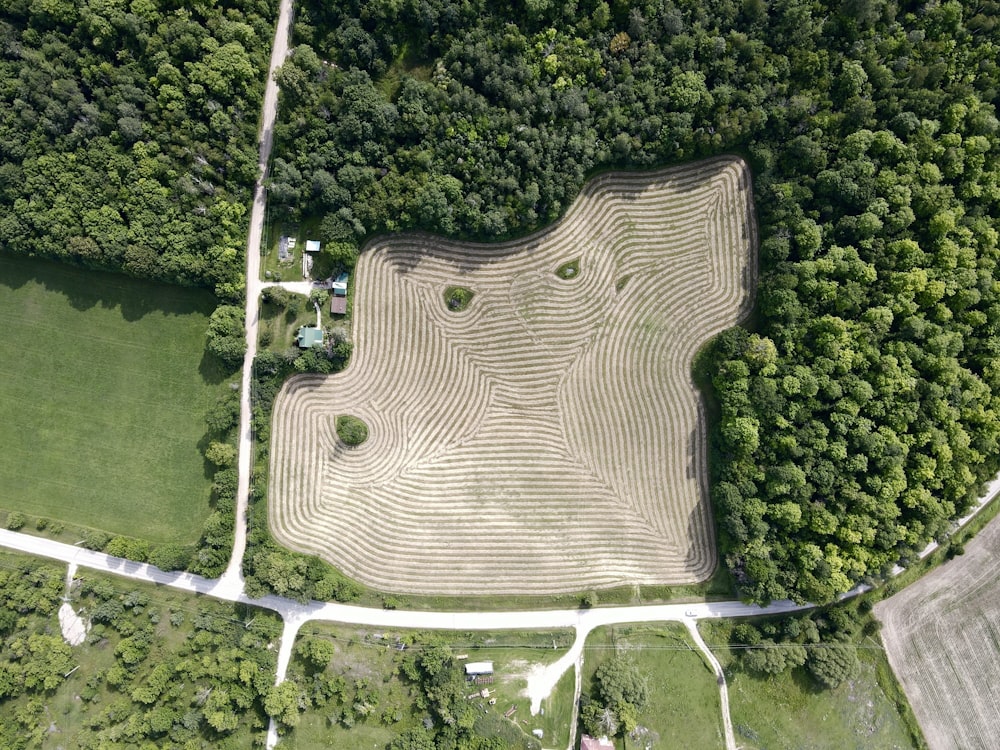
x,y
351,429
457,298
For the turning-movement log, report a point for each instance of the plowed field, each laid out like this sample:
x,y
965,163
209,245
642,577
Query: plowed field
x,y
942,636
547,438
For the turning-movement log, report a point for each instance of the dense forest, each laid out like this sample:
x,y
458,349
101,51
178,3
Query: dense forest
x,y
128,133
860,416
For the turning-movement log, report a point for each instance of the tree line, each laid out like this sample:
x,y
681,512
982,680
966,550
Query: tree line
x,y
859,412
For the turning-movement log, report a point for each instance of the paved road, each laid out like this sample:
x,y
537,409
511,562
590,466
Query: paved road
x,y
233,577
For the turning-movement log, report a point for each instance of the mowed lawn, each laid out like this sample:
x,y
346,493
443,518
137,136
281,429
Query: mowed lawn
x,y
104,385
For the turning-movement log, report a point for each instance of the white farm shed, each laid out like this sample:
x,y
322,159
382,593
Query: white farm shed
x,y
312,246
478,667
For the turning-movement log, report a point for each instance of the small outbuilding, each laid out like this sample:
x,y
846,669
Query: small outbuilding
x,y
593,743
308,337
476,668
338,302
312,246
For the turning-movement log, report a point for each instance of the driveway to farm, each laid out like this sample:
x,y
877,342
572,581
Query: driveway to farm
x,y
232,579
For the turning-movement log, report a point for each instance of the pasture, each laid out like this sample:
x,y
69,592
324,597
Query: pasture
x,y
104,385
546,435
788,711
942,638
684,708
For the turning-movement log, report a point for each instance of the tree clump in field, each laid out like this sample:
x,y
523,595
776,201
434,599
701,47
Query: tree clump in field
x,y
128,135
822,641
457,298
221,455
620,693
569,270
226,337
351,430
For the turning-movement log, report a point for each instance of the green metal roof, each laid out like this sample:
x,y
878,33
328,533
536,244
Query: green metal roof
x,y
308,337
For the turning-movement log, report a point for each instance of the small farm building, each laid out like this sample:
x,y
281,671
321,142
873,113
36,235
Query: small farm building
x,y
312,246
338,305
339,285
593,743
308,337
284,243
478,667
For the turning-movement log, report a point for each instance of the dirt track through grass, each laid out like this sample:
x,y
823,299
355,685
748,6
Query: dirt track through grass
x,y
546,439
943,641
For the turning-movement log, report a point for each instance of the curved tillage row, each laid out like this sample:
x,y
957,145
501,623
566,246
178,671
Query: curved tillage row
x,y
548,438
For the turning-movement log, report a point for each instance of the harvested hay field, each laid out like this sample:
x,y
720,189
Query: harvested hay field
x,y
548,437
942,636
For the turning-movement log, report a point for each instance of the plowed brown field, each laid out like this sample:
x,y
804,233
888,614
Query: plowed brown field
x,y
549,437
942,636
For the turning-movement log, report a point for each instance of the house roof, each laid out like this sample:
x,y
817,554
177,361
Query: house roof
x,y
593,743
312,246
308,336
479,667
338,305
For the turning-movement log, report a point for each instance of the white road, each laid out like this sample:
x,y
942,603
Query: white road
x,y
232,579
295,614
230,587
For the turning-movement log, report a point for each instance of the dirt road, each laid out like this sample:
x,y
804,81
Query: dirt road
x,y
232,579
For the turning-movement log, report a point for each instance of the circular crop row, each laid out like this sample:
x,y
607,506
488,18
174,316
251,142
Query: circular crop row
x,y
547,437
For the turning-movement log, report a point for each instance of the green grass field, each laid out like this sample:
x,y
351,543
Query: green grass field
x,y
790,711
683,706
104,385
